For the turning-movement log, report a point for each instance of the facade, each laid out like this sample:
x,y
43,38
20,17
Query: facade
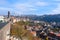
x,y
1,18
4,19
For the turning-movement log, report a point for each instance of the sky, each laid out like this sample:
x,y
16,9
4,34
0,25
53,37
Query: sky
x,y
29,7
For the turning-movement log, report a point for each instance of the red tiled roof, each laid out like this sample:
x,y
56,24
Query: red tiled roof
x,y
58,34
33,32
52,32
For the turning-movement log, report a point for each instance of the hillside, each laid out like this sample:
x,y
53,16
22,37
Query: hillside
x,y
46,18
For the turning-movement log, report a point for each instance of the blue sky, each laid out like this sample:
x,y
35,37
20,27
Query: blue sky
x,y
28,7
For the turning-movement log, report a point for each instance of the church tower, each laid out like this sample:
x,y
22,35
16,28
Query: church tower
x,y
8,14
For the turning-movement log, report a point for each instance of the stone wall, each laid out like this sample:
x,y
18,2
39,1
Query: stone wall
x,y
4,32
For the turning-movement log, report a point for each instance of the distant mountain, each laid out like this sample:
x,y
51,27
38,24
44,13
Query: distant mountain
x,y
46,18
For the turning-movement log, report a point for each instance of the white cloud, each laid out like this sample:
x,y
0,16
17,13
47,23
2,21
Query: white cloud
x,y
41,3
15,12
3,8
56,0
32,9
24,7
3,2
56,10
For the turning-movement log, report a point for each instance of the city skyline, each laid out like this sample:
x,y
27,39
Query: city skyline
x,y
29,7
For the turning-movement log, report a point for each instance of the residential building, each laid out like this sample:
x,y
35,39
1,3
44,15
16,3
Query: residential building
x,y
2,18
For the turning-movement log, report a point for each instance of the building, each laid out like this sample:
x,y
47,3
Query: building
x,y
2,18
8,14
